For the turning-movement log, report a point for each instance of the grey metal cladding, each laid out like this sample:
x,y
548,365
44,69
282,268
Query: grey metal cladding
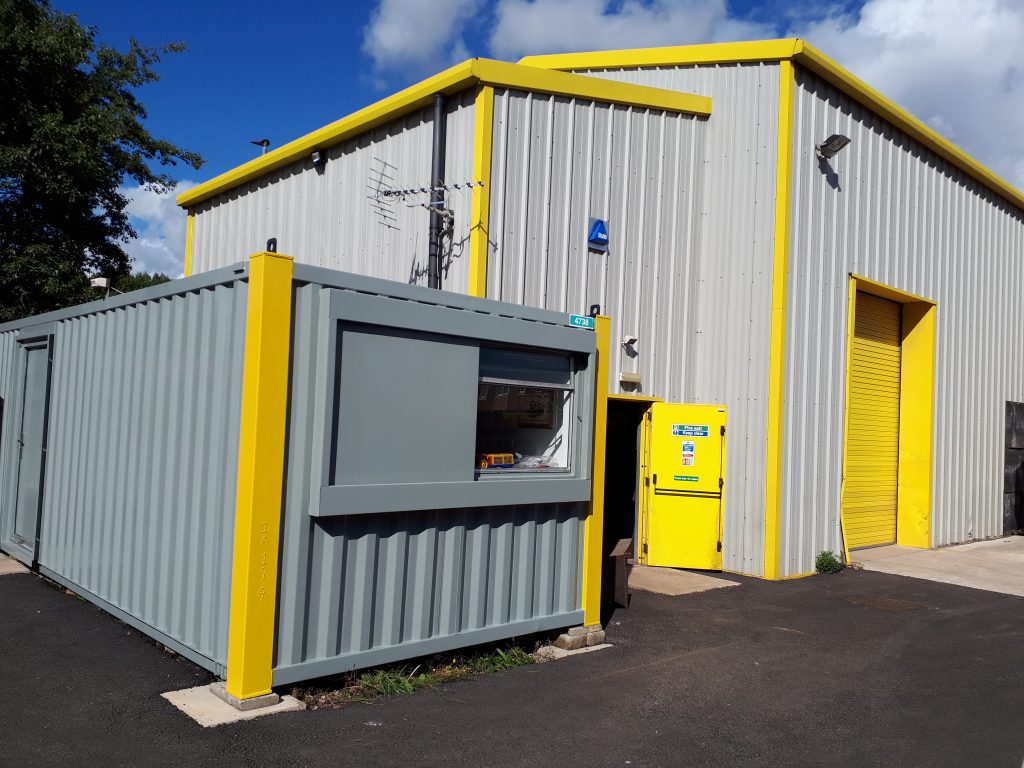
x,y
362,589
690,205
139,500
8,430
892,211
323,217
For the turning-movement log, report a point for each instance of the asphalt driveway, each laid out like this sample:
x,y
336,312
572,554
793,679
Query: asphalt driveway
x,y
858,669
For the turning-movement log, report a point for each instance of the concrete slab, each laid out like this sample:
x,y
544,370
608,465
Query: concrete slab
x,y
9,565
996,565
554,653
669,581
209,710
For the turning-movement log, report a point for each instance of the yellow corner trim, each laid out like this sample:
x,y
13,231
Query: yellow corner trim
x,y
479,233
258,498
593,528
457,78
189,234
777,338
676,55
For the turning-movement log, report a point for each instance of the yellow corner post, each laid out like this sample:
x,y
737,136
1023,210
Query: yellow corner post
x,y
777,343
190,224
593,528
260,476
480,215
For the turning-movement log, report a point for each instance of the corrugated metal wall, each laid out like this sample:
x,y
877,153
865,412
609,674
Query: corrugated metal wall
x,y
366,589
892,211
138,505
325,219
690,205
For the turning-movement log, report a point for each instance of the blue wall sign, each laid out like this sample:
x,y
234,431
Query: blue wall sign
x,y
597,235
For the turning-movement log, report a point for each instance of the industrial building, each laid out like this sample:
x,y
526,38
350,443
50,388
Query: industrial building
x,y
725,300
741,257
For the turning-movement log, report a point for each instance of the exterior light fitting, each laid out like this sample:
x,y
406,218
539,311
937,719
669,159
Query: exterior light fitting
x,y
831,146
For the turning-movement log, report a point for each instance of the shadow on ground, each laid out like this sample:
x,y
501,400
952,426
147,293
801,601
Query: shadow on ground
x,y
857,669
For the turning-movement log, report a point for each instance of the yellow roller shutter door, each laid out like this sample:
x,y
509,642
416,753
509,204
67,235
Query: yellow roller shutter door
x,y
873,440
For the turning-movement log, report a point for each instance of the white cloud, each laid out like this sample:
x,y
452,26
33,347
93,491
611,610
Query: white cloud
x,y
551,26
956,64
417,34
160,224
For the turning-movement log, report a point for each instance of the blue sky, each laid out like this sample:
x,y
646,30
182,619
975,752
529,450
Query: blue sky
x,y
269,69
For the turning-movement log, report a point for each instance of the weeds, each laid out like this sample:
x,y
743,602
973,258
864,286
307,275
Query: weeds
x,y
827,562
400,680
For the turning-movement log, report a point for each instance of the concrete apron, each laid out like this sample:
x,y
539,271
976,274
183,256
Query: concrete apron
x,y
9,565
996,565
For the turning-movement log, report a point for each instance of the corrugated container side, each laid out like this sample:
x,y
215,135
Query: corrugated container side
x,y
690,204
138,506
8,431
364,589
325,218
891,210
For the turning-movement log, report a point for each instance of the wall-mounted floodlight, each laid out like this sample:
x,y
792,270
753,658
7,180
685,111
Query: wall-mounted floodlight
x,y
319,157
263,144
831,146
629,340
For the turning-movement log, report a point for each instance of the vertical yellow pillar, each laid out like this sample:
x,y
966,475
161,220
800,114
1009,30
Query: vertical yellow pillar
x,y
260,476
593,528
481,203
777,341
189,234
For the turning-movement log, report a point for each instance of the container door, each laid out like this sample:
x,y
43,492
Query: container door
x,y
873,423
683,478
31,451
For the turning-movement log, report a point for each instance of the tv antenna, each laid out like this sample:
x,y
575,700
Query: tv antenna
x,y
384,195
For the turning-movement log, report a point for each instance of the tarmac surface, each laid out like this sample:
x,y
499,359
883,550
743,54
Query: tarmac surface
x,y
856,669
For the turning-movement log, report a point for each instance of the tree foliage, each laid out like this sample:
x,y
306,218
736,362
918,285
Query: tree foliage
x,y
71,133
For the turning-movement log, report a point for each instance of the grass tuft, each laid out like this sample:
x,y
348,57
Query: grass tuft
x,y
435,672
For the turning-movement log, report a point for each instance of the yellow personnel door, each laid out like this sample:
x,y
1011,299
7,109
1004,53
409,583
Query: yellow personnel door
x,y
682,475
873,424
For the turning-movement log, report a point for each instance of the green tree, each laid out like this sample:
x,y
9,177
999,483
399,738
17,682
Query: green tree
x,y
137,280
71,133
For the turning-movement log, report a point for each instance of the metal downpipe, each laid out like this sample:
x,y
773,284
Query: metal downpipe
x,y
437,162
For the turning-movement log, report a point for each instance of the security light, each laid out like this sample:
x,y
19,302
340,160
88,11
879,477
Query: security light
x,y
629,340
99,282
319,157
831,146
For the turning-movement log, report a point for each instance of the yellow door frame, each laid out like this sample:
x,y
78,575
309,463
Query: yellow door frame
x,y
593,526
917,394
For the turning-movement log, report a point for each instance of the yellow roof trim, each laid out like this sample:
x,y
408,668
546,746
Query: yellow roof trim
x,y
671,56
810,58
469,73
